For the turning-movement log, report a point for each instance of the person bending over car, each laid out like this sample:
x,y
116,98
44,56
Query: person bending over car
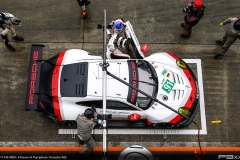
x,y
120,42
85,125
7,21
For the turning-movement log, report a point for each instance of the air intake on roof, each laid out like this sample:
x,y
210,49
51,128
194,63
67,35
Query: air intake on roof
x,y
79,89
80,68
74,78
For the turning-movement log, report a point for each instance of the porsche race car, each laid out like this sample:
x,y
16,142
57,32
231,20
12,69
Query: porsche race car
x,y
66,84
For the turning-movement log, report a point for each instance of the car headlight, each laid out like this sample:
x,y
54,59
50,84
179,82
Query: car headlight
x,y
183,110
181,64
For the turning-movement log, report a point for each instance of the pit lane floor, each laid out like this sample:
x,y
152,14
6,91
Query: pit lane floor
x,y
58,26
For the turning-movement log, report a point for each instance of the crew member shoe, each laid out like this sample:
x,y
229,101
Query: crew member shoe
x,y
219,56
219,42
18,38
184,36
11,48
84,14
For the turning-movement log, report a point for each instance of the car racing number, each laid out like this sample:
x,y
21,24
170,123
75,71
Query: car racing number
x,y
168,86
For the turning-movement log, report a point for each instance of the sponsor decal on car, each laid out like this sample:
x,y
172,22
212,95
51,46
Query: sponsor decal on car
x,y
133,77
33,78
164,72
168,86
168,75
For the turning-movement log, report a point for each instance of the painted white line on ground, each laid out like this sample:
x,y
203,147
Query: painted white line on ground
x,y
201,92
127,144
163,131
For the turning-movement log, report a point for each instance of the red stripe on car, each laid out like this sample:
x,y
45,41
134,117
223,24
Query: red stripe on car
x,y
176,119
193,92
55,86
149,122
173,55
191,98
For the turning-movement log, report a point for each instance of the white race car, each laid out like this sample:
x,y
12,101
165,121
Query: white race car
x,y
66,84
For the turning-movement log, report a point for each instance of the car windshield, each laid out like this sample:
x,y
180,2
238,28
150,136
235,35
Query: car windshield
x,y
143,76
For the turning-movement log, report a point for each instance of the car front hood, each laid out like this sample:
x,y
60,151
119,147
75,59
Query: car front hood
x,y
174,90
174,87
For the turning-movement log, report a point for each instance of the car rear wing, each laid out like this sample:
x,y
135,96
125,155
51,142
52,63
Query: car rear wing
x,y
34,77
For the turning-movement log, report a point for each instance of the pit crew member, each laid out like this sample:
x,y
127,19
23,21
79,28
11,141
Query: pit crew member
x,y
194,12
83,4
231,35
120,42
7,21
85,125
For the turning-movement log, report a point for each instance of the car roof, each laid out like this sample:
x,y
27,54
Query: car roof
x,y
115,89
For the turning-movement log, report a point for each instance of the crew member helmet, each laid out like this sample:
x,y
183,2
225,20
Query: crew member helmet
x,y
118,25
89,113
198,4
236,25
